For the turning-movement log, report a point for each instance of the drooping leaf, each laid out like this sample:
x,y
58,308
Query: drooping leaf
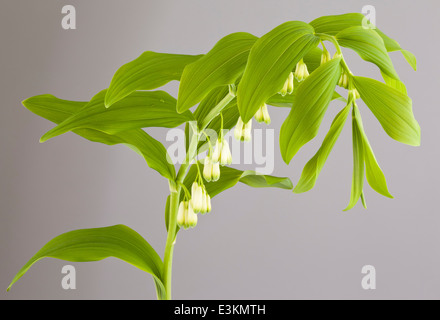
x,y
392,108
278,100
396,84
375,177
311,102
335,23
149,71
152,150
370,47
313,168
96,244
58,110
358,163
220,66
270,61
392,45
138,110
313,59
229,177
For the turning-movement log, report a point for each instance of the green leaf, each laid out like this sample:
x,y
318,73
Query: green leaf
x,y
149,71
392,108
271,59
370,47
375,177
313,59
393,45
220,66
358,163
96,244
58,110
313,168
410,58
396,84
311,102
151,150
167,213
278,100
333,24
229,177
138,110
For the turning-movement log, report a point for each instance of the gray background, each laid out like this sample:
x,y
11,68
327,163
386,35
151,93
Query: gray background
x,y
257,243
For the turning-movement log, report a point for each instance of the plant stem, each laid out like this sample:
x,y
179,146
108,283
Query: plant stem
x,y
176,187
171,237
172,226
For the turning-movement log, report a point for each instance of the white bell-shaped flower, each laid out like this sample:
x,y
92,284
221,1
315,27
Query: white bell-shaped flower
x,y
238,131
226,156
247,131
215,171
196,196
207,169
290,83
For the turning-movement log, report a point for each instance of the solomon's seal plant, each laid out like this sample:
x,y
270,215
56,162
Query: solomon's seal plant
x,y
237,80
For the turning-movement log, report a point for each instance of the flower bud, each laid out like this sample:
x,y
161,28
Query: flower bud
x,y
259,115
208,203
186,218
217,151
238,131
266,116
283,91
215,171
226,157
247,131
353,94
325,57
181,214
207,169
204,203
301,71
191,221
196,196
290,84
343,80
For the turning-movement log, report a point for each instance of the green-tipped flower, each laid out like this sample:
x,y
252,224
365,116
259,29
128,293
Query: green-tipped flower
x,y
243,132
301,71
186,218
325,56
259,115
353,94
343,80
207,169
215,157
196,197
238,131
247,131
215,171
226,156
221,153
290,83
283,91
262,114
266,116
288,86
206,203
